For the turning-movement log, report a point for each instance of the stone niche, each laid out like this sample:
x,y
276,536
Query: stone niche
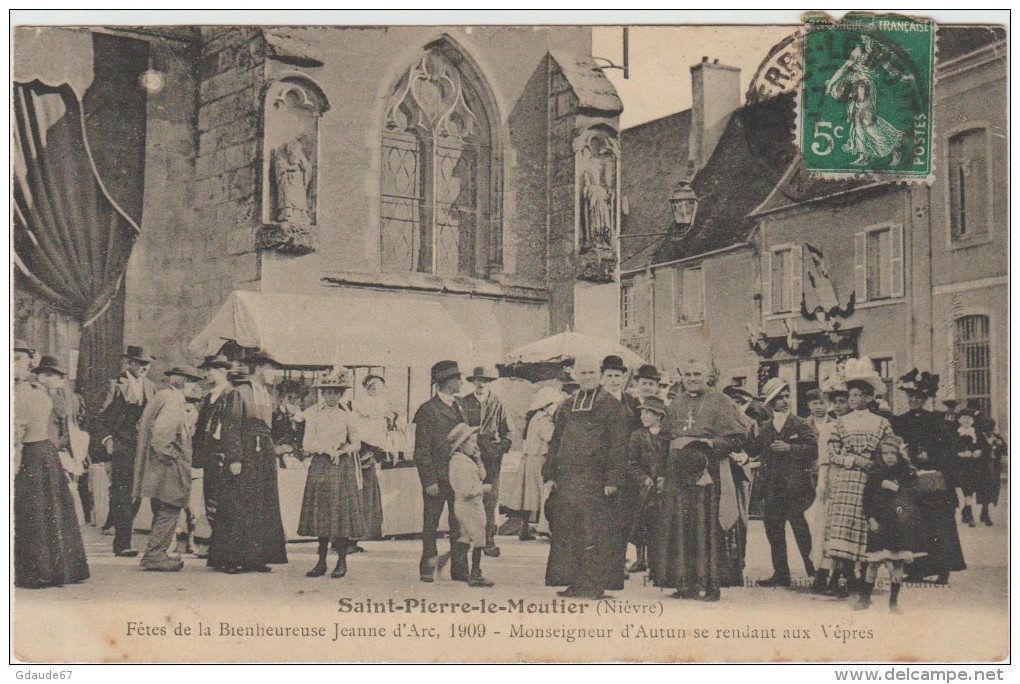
x,y
584,112
293,106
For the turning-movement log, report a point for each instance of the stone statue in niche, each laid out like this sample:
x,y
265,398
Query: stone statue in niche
x,y
293,175
598,195
596,154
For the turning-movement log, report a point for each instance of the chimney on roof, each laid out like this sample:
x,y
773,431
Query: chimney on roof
x,y
716,95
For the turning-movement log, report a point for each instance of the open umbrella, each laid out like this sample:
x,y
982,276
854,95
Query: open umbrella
x,y
546,358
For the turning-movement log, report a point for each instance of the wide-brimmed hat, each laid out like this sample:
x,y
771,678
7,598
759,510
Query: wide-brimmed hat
x,y
188,372
738,394
50,364
339,379
459,434
833,385
22,346
444,370
136,353
483,373
260,357
653,404
772,389
370,377
863,370
648,372
217,361
613,362
950,403
916,383
545,396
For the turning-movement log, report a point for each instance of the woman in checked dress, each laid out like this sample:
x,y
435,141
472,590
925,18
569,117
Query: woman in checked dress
x,y
853,449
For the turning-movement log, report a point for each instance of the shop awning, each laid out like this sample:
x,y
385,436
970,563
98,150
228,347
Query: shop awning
x,y
305,330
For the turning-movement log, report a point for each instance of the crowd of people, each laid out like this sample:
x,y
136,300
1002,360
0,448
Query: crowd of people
x,y
609,463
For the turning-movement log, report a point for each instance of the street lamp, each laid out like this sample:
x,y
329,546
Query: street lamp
x,y
684,204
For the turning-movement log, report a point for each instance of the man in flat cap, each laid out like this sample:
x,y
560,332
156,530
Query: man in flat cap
x,y
433,422
163,465
482,409
117,432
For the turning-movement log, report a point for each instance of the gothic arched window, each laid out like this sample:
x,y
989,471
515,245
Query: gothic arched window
x,y
291,151
437,192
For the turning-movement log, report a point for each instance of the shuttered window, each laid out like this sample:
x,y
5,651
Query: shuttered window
x,y
968,183
878,263
782,279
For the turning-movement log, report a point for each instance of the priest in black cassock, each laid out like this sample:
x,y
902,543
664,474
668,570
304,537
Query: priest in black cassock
x,y
720,543
584,467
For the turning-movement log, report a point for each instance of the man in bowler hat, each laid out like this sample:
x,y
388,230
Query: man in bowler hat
x,y
433,422
117,432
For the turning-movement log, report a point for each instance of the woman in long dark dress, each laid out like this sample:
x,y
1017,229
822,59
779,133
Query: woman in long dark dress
x,y
927,439
48,549
248,533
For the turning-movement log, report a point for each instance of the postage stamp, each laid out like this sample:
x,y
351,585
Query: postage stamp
x,y
865,105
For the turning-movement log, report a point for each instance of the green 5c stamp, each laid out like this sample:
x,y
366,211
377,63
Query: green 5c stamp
x,y
865,104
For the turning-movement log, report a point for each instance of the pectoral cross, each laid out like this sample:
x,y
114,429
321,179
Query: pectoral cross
x,y
690,420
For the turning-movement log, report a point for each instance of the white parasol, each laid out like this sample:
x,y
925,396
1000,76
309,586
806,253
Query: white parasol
x,y
538,358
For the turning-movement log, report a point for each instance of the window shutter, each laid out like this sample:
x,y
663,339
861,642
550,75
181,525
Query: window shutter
x,y
860,266
796,277
766,282
896,261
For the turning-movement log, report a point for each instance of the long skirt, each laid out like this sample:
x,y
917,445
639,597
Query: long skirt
x,y
991,484
48,549
247,531
524,490
846,529
971,474
941,539
371,503
332,504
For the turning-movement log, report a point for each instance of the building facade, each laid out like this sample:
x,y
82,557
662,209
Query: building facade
x,y
815,271
477,168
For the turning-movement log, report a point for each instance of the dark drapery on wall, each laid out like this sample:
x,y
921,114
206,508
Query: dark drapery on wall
x,y
71,240
78,192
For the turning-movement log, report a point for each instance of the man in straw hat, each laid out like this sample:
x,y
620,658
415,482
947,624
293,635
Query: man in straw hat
x,y
163,465
433,422
787,448
117,431
584,467
482,409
